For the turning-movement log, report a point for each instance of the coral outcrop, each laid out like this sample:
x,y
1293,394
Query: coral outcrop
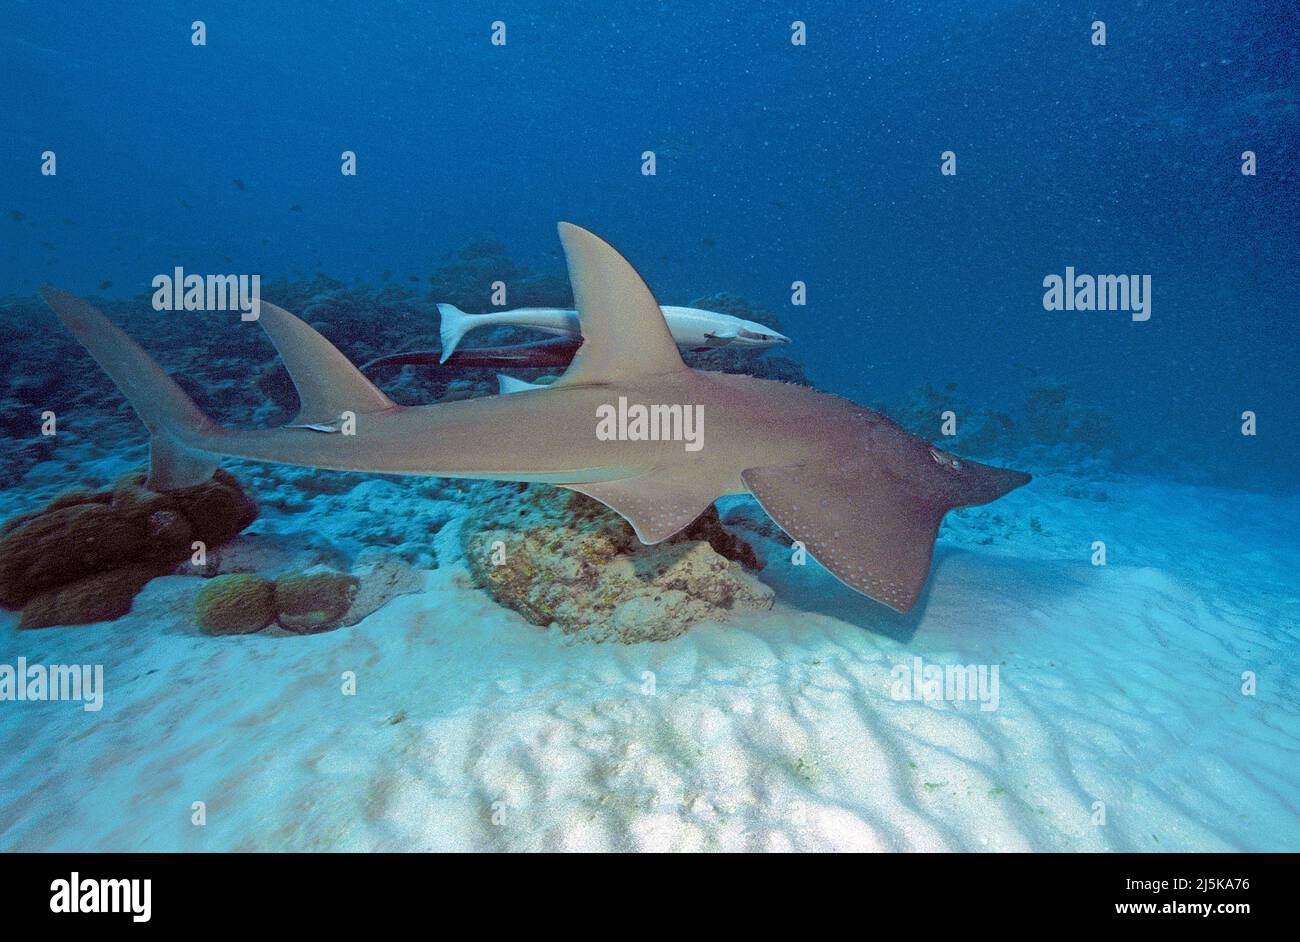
x,y
306,604
302,602
383,578
561,558
237,604
104,596
84,556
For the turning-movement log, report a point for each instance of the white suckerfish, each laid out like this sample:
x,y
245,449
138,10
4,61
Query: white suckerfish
x,y
691,327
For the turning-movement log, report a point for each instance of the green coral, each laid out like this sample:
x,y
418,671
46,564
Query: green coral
x,y
237,604
316,602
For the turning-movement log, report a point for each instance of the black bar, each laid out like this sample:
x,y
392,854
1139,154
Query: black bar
x,y
942,891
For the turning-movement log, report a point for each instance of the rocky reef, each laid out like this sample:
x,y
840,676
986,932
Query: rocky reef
x,y
560,558
85,556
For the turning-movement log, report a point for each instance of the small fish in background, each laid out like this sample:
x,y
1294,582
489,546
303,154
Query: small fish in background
x,y
388,274
295,208
708,243
49,246
16,215
105,285
413,278
70,222
239,184
185,205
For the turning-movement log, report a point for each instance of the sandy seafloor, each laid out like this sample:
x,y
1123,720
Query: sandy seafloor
x,y
473,730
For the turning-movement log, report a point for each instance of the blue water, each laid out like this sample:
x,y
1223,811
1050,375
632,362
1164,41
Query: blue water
x,y
776,163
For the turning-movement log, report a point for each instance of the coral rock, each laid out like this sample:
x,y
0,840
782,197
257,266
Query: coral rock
x,y
235,605
383,578
317,602
128,527
565,559
101,597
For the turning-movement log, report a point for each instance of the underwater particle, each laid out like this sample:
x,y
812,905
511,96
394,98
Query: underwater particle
x,y
316,602
16,215
101,597
237,604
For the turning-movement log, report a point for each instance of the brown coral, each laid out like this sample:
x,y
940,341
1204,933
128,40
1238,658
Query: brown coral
x,y
127,529
101,597
316,602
